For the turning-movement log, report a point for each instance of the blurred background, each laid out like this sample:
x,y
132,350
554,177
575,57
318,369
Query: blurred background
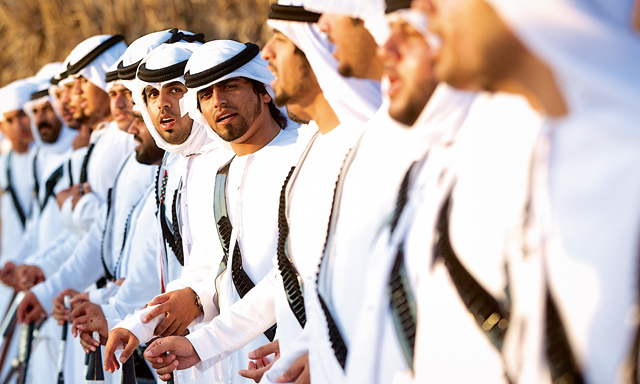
x,y
36,32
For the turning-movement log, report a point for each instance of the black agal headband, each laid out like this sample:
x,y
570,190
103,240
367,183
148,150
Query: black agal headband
x,y
163,74
129,72
39,94
111,76
212,74
97,51
292,13
394,5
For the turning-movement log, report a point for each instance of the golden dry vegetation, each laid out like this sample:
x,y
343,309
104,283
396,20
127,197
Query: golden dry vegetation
x,y
36,32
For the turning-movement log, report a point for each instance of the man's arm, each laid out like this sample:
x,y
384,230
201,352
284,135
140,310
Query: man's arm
x,y
83,268
245,320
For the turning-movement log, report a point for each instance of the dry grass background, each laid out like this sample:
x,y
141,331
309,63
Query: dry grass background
x,y
36,32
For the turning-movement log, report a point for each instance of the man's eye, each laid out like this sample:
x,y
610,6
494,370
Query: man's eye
x,y
229,86
205,95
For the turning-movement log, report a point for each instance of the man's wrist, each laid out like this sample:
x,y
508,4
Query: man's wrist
x,y
197,301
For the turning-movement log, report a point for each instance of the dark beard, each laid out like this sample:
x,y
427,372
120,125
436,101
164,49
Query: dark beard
x,y
237,130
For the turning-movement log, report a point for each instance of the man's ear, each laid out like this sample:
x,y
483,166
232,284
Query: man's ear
x,y
265,97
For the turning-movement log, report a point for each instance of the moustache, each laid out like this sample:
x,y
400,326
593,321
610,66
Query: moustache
x,y
44,125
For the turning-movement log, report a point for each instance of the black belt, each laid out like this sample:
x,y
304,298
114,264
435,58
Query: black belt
x,y
241,281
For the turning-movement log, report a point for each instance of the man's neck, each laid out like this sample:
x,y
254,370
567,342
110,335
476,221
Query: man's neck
x,y
321,112
20,147
262,136
535,81
94,121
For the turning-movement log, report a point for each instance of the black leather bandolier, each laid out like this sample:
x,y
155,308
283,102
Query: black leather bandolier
x,y
401,300
562,362
12,193
241,280
290,277
85,164
50,184
335,337
492,316
170,232
563,366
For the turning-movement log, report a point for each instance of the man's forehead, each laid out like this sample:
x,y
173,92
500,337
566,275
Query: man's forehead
x,y
224,82
14,113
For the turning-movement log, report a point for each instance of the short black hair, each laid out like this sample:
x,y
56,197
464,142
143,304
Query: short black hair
x,y
260,89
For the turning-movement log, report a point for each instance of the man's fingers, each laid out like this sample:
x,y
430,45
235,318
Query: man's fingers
x,y
159,299
295,371
163,326
164,361
265,350
157,348
88,341
172,330
128,349
155,312
167,369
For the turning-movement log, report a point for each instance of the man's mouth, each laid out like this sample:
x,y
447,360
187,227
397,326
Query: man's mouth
x,y
225,117
167,123
44,126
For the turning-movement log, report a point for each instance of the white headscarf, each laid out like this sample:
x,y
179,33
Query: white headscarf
x,y
13,96
165,56
112,71
214,53
141,47
595,60
95,70
353,100
369,11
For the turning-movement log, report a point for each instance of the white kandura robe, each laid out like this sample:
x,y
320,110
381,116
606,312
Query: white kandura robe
x,y
111,146
385,151
197,228
486,161
253,192
12,229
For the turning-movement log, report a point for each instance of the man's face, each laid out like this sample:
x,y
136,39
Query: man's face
x,y
355,47
477,48
164,109
232,107
295,82
17,128
121,106
91,102
63,98
408,64
147,152
49,126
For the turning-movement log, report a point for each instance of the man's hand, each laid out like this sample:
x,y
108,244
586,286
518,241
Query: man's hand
x,y
85,309
119,337
63,195
86,325
30,309
60,313
180,307
181,355
298,373
260,363
26,276
86,188
7,274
